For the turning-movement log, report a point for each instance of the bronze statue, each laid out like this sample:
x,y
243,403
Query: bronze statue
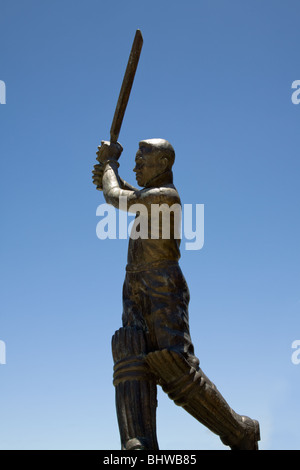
x,y
153,346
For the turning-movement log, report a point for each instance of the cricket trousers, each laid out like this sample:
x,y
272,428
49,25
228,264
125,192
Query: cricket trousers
x,y
154,347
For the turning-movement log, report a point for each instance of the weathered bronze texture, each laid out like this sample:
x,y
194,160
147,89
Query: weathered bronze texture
x,y
153,346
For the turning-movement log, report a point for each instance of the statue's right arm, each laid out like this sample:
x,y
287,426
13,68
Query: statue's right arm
x,y
113,186
125,185
120,194
124,199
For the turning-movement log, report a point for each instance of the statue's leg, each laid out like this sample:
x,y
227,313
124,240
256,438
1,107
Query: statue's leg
x,y
135,388
191,389
176,367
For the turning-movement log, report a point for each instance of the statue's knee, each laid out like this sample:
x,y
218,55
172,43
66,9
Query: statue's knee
x,y
129,349
174,373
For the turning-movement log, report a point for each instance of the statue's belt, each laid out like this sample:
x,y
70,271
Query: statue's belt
x,y
161,264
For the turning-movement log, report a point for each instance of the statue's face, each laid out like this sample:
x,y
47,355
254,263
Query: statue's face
x,y
147,164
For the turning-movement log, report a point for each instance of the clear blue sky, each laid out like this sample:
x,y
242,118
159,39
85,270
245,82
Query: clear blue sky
x,y
215,80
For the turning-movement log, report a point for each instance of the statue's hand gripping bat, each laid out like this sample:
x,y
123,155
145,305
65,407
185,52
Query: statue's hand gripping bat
x,y
125,90
126,86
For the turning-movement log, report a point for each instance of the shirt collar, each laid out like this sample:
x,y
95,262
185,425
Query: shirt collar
x,y
160,180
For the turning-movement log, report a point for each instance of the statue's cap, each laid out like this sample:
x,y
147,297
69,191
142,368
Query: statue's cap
x,y
160,144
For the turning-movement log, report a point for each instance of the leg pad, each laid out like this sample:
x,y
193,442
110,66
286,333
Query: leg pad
x,y
136,393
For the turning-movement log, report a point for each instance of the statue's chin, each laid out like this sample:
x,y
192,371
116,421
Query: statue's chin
x,y
139,182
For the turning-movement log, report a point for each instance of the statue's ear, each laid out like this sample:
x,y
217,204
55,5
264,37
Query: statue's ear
x,y
164,163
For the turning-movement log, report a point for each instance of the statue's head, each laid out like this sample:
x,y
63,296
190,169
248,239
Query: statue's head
x,y
153,158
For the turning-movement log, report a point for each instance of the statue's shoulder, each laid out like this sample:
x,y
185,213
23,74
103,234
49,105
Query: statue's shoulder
x,y
169,194
165,194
